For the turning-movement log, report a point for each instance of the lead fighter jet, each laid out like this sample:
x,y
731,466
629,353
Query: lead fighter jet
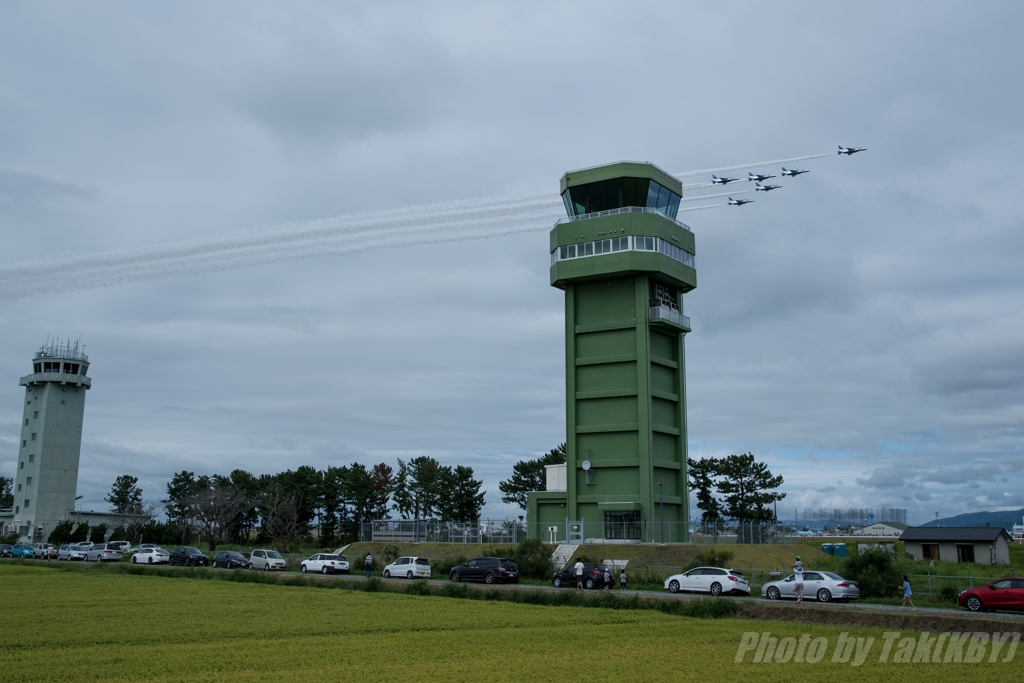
x,y
850,150
760,177
739,202
715,180
794,173
765,188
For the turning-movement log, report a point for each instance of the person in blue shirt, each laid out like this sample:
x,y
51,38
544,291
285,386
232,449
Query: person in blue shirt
x,y
907,593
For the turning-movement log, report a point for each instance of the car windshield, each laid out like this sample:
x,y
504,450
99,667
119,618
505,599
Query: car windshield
x,y
234,555
273,554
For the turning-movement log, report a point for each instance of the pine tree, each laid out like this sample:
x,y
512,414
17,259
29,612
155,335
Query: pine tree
x,y
529,475
125,495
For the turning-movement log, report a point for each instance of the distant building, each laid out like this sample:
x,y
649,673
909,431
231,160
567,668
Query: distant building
x,y
46,479
987,545
881,529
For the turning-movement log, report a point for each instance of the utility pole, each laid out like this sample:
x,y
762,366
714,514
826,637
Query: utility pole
x,y
417,534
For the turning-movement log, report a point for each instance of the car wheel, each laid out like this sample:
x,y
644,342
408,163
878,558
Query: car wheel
x,y
266,567
324,570
302,568
716,588
408,575
589,585
456,577
134,561
249,566
488,578
973,603
556,582
773,593
824,595
387,573
151,560
673,586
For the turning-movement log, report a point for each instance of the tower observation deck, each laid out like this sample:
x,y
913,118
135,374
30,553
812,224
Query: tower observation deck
x,y
624,262
46,481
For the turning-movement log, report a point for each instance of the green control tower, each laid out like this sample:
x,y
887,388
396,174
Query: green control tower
x,y
624,262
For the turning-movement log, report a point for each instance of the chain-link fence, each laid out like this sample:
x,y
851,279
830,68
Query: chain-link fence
x,y
495,531
612,531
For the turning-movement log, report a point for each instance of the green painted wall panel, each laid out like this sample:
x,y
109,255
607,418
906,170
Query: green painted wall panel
x,y
664,379
610,343
608,446
606,377
666,447
663,346
605,301
599,411
663,413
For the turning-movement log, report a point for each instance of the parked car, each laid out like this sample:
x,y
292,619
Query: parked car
x,y
151,556
123,546
593,576
267,560
188,556
22,550
486,569
1001,594
44,551
325,564
229,559
714,580
6,549
409,567
71,552
141,546
103,552
820,586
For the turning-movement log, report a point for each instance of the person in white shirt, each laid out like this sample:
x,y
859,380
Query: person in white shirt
x,y
578,571
798,587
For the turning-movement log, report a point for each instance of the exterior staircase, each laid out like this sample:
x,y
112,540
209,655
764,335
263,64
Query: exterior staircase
x,y
562,554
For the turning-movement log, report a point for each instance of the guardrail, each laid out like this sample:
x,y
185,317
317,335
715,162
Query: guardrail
x,y
62,377
624,209
665,313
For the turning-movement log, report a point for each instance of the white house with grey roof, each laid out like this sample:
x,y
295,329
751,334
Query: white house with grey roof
x,y
987,545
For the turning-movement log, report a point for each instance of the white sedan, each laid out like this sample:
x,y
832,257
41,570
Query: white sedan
x,y
712,580
151,556
325,564
408,567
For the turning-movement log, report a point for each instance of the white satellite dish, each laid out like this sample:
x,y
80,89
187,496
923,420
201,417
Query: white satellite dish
x,y
586,465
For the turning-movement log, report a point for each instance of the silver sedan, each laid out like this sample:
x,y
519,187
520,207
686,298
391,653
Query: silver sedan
x,y
820,586
71,552
151,556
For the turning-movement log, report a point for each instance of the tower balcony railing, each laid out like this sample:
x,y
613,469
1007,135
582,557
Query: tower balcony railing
x,y
624,209
666,313
62,377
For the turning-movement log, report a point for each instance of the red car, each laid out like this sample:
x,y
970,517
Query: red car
x,y
1002,594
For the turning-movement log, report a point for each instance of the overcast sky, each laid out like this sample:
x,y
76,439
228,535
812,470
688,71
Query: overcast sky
x,y
860,329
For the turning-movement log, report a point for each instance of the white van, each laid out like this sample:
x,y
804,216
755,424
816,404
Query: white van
x,y
409,568
267,560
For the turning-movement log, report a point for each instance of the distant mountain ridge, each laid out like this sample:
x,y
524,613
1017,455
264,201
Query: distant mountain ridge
x,y
1005,519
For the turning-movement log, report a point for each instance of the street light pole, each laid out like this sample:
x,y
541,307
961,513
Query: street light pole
x,y
661,490
416,536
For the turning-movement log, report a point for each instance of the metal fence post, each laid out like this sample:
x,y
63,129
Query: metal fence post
x,y
929,571
969,576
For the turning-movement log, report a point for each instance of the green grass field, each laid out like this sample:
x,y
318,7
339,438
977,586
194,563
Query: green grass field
x,y
91,626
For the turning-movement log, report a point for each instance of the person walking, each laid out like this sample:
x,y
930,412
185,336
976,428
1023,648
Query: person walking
x,y
368,565
608,583
907,593
798,575
578,571
622,580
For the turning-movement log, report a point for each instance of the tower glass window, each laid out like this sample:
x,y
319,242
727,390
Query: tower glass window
x,y
616,193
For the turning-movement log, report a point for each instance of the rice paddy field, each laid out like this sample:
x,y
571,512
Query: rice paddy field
x,y
103,626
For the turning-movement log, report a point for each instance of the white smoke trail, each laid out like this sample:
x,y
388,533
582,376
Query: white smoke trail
x,y
474,219
714,196
696,186
701,208
741,167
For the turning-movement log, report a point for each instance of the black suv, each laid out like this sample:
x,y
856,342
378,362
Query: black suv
x,y
486,569
593,576
229,559
188,556
6,549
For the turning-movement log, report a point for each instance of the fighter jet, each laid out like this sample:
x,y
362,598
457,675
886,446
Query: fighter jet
x,y
739,202
765,188
760,177
794,173
715,180
850,150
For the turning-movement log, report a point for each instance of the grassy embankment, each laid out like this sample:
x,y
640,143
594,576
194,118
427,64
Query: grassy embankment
x,y
78,625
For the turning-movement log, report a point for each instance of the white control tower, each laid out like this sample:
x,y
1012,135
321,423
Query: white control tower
x,y
51,441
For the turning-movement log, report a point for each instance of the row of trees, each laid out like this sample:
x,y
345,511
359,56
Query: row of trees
x,y
281,508
736,486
